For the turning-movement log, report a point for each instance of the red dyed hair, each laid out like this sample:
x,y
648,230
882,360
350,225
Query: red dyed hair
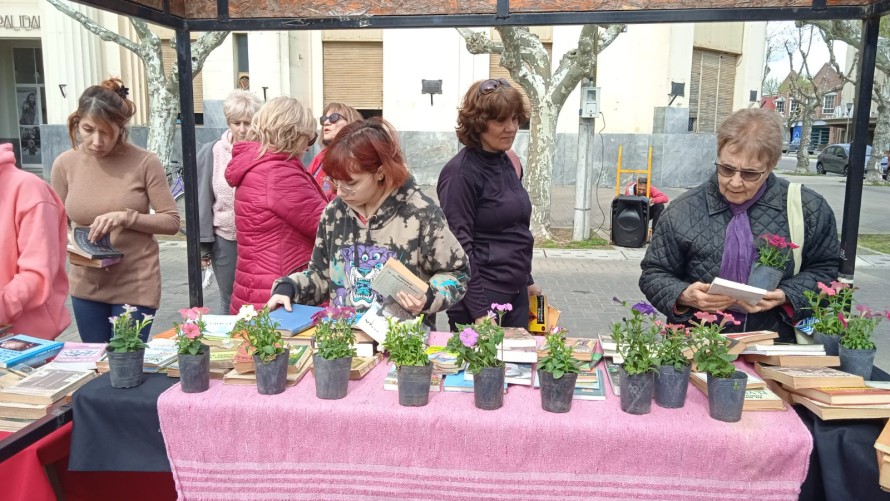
x,y
366,146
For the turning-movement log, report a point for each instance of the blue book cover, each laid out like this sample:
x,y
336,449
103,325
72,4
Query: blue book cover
x,y
293,322
22,349
459,382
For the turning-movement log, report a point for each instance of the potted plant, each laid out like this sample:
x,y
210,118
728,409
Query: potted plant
x,y
126,351
857,348
828,305
636,337
404,342
269,352
194,356
726,385
476,345
334,350
672,379
773,253
558,372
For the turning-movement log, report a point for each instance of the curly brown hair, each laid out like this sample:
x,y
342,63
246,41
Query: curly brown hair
x,y
477,109
106,103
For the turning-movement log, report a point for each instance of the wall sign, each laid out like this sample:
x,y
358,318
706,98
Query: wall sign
x,y
19,23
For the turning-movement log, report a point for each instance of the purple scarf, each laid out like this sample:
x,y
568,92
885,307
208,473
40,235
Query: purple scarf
x,y
738,247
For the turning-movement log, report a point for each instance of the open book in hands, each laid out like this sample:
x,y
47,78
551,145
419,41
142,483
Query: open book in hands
x,y
736,290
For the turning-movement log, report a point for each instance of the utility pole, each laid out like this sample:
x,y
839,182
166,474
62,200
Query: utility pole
x,y
588,109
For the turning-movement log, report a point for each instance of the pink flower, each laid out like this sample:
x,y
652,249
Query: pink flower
x,y
837,286
502,307
191,331
840,316
828,291
729,319
705,316
469,337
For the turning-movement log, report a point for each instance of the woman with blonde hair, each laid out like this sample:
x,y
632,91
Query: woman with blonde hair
x,y
216,199
277,203
335,117
110,185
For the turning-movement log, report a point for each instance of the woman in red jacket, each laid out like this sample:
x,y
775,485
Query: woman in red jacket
x,y
277,203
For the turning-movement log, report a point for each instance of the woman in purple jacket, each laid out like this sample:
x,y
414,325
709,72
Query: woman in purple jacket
x,y
487,208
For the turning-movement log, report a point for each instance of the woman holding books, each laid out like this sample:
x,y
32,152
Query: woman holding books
x,y
487,207
116,189
216,199
33,285
380,213
277,203
335,117
710,231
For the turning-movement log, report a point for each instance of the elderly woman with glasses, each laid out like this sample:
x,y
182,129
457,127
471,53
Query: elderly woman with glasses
x,y
710,232
380,214
335,117
488,209
277,203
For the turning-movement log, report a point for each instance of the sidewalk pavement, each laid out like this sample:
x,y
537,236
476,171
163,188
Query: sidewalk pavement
x,y
581,283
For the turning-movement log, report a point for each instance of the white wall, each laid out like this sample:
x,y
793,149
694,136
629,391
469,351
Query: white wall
x,y
749,73
219,71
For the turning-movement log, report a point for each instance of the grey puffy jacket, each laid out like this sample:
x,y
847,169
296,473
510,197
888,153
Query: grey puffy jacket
x,y
687,247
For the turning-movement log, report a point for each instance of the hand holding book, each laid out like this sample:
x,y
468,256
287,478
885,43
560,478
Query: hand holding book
x,y
103,224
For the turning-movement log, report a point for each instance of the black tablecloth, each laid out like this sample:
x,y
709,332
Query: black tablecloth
x,y
843,465
116,429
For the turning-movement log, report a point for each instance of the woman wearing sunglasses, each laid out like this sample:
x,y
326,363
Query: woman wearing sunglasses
x,y
710,231
487,207
379,214
335,117
277,203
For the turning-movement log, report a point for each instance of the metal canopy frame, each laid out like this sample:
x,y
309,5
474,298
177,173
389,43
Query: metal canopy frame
x,y
162,14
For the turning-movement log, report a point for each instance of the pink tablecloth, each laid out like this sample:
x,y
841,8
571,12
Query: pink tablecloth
x,y
232,442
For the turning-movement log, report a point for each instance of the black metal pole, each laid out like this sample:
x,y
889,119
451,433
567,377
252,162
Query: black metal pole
x,y
189,165
853,197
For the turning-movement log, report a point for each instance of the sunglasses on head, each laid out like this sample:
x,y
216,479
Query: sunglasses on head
x,y
333,118
746,175
488,86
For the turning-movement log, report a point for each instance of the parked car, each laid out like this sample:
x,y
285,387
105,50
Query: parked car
x,y
836,158
795,145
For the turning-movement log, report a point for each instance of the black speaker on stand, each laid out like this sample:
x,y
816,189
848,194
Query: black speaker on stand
x,y
630,221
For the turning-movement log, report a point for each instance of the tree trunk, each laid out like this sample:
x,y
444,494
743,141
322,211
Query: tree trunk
x,y
880,144
803,157
541,150
162,120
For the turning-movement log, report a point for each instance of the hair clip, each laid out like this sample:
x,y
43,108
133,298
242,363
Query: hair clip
x,y
123,92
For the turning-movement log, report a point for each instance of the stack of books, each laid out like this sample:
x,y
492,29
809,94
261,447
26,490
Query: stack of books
x,y
514,373
82,252
519,346
882,446
298,364
758,397
610,348
583,349
790,355
593,388
21,349
363,365
829,393
24,398
391,381
160,353
444,361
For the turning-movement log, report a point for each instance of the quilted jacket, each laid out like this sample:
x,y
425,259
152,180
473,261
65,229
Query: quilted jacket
x,y
277,209
687,247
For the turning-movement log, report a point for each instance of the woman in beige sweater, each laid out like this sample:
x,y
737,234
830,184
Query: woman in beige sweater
x,y
108,185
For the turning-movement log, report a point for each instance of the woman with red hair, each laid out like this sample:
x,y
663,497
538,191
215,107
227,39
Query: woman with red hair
x,y
379,213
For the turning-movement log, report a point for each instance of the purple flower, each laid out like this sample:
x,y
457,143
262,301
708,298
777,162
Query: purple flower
x,y
469,337
644,308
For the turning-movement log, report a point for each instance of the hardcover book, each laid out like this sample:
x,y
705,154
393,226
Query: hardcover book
x,y
78,260
23,349
291,323
79,243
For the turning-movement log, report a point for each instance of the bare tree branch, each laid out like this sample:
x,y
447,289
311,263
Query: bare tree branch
x,y
477,42
92,27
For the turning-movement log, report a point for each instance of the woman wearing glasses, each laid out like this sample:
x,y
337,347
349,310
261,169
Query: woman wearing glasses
x,y
710,231
335,117
487,207
379,214
277,203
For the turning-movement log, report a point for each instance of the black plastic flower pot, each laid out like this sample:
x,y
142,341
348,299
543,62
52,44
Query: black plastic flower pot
x,y
671,386
271,377
414,384
636,391
332,377
556,394
765,277
488,388
126,368
859,362
194,371
828,341
726,396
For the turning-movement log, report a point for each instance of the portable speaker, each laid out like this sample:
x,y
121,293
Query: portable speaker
x,y
630,221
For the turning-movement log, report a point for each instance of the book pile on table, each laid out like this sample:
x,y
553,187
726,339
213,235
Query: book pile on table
x,y
160,353
610,348
829,393
444,361
26,397
591,387
519,346
790,355
391,381
583,349
882,446
758,397
298,364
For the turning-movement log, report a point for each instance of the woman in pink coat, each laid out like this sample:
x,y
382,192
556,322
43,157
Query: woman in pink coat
x,y
277,203
33,237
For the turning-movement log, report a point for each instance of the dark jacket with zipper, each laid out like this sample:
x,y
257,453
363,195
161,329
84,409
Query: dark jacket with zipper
x,y
687,247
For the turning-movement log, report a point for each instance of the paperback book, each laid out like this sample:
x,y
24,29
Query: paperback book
x,y
809,377
79,356
736,290
23,349
45,385
514,373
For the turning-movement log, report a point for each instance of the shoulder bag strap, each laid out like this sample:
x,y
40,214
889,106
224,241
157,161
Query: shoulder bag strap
x,y
795,224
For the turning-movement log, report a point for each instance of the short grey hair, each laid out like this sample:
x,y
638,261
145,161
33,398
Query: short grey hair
x,y
241,104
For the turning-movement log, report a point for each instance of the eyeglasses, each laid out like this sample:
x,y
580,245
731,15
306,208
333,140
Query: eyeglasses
x,y
488,86
339,186
312,139
747,175
333,118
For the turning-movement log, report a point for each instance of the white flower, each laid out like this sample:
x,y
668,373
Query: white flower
x,y
247,312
